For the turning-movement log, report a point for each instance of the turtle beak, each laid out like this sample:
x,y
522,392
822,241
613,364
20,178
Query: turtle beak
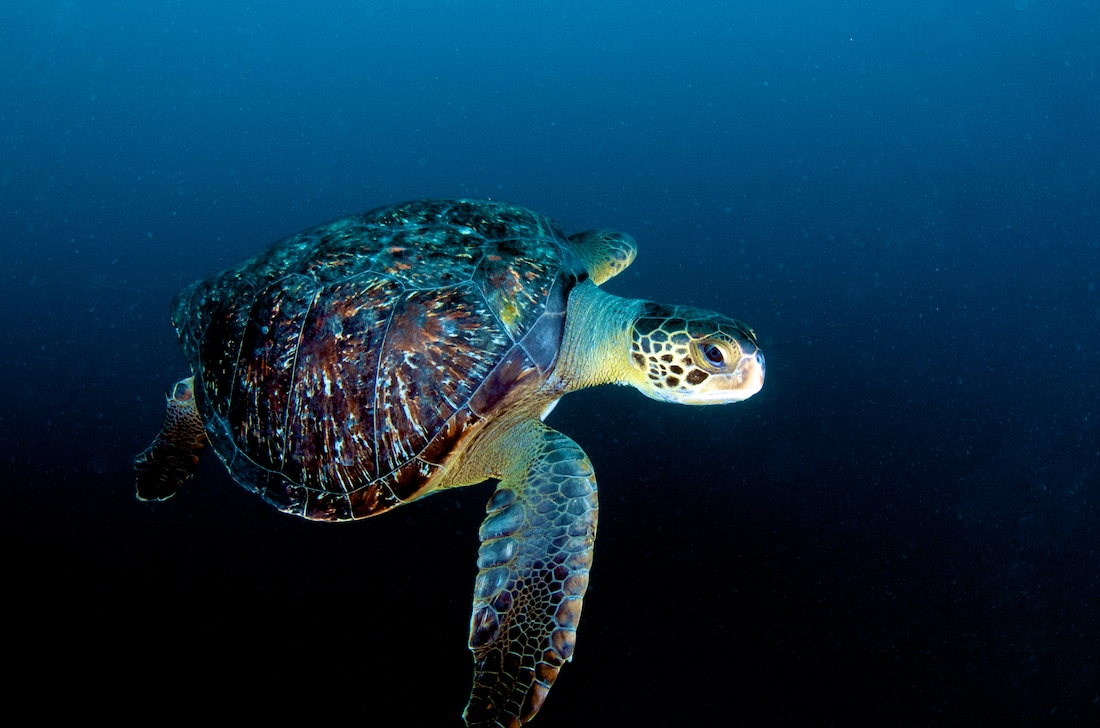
x,y
750,371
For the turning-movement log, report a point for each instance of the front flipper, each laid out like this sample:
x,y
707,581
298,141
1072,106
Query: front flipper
x,y
536,550
171,459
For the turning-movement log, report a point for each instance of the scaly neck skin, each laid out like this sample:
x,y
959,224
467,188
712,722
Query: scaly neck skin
x,y
595,347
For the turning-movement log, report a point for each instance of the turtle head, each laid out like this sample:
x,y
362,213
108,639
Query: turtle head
x,y
691,356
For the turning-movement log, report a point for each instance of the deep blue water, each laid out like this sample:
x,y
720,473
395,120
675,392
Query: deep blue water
x,y
903,199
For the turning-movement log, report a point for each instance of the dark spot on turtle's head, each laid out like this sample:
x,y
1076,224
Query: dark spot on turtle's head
x,y
695,376
646,326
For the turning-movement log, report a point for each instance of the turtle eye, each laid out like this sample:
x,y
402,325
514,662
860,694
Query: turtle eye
x,y
713,354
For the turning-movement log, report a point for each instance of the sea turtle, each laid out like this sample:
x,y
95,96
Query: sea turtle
x,y
365,363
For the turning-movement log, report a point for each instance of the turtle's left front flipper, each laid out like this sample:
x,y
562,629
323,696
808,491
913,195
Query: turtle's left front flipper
x,y
536,550
171,459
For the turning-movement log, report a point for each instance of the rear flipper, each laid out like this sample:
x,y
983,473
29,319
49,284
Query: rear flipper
x,y
167,464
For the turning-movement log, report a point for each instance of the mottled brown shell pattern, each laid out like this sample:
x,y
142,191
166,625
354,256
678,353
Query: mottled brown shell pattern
x,y
339,370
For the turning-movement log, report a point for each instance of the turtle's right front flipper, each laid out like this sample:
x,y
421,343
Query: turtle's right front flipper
x,y
536,550
166,464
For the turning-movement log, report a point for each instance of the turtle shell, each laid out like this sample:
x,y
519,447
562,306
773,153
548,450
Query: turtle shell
x,y
338,371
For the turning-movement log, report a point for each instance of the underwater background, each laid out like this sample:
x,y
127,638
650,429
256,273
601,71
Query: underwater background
x,y
903,199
